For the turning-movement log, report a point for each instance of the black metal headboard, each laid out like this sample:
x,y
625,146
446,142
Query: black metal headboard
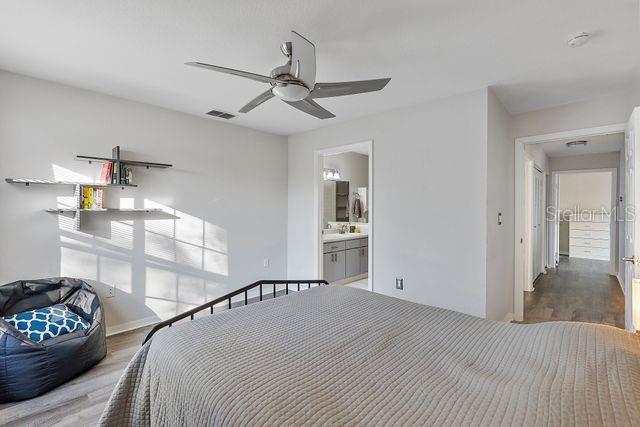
x,y
300,285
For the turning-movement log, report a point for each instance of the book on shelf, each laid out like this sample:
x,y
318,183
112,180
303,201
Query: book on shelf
x,y
116,173
105,174
127,176
92,198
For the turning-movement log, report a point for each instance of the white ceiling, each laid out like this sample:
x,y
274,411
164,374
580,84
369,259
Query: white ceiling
x,y
430,49
595,145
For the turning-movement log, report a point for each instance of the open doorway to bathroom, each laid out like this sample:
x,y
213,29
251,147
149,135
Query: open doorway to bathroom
x,y
344,215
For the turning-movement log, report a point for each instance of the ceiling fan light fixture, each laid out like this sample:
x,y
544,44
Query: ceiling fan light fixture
x,y
291,92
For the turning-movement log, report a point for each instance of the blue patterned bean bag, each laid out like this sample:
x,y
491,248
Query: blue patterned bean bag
x,y
47,322
51,330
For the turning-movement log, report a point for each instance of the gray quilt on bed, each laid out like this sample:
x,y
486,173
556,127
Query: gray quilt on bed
x,y
342,356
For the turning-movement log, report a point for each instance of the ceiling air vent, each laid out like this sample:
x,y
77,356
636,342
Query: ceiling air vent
x,y
221,114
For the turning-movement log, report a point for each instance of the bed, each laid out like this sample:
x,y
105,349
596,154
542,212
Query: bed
x,y
335,355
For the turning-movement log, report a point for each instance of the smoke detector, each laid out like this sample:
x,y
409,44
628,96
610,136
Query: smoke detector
x,y
579,39
573,144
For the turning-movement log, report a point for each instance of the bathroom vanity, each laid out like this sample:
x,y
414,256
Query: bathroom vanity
x,y
345,256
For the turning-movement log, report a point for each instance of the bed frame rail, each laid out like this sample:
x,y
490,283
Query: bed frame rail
x,y
261,284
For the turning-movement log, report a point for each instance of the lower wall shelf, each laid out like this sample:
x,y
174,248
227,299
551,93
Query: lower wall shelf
x,y
73,210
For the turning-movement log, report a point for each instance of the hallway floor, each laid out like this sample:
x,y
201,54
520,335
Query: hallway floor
x,y
578,290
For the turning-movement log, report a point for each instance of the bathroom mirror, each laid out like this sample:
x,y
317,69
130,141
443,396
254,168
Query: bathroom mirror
x,y
344,204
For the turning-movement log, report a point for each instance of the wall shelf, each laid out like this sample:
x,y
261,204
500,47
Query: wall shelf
x,y
28,182
74,210
116,176
147,165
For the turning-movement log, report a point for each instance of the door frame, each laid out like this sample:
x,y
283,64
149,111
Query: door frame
x,y
529,166
318,201
613,238
520,143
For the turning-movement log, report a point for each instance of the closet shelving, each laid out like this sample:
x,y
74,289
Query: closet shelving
x,y
79,185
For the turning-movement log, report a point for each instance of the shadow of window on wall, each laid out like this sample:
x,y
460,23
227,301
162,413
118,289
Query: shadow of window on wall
x,y
160,265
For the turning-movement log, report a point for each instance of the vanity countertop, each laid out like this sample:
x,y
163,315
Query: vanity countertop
x,y
334,237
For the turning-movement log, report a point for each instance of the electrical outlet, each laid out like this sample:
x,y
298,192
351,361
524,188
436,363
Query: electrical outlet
x,y
266,263
111,291
399,283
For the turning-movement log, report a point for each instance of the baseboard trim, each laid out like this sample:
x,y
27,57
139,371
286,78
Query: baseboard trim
x,y
351,279
508,318
130,326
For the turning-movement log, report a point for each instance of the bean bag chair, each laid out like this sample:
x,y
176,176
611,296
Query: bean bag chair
x,y
29,367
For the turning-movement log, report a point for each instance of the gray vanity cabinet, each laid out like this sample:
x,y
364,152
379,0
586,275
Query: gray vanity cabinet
x,y
352,262
364,260
334,266
344,259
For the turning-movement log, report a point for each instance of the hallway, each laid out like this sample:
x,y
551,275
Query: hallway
x,y
578,290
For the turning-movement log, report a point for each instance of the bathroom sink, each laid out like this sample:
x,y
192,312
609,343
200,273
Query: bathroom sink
x,y
346,236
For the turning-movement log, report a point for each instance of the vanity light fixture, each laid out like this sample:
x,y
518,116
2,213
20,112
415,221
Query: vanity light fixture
x,y
331,175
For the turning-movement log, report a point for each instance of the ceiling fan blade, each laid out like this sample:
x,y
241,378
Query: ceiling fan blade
x,y
303,59
246,74
263,97
311,107
328,90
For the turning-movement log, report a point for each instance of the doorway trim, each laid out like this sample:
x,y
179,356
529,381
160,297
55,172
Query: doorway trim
x,y
520,143
318,202
613,237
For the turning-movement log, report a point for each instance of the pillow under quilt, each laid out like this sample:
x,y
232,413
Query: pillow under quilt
x,y
47,322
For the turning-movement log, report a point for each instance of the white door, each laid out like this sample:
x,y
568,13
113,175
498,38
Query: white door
x,y
630,215
536,224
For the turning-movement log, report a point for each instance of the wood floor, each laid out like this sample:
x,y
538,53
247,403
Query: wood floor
x,y
578,290
80,401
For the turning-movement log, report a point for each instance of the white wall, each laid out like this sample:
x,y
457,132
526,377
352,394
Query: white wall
x,y
353,167
585,191
430,199
228,186
585,161
603,111
500,198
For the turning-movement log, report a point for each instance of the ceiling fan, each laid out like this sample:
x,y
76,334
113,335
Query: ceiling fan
x,y
295,81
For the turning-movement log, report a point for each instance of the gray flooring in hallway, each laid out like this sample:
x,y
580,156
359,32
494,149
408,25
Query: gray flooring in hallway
x,y
577,290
